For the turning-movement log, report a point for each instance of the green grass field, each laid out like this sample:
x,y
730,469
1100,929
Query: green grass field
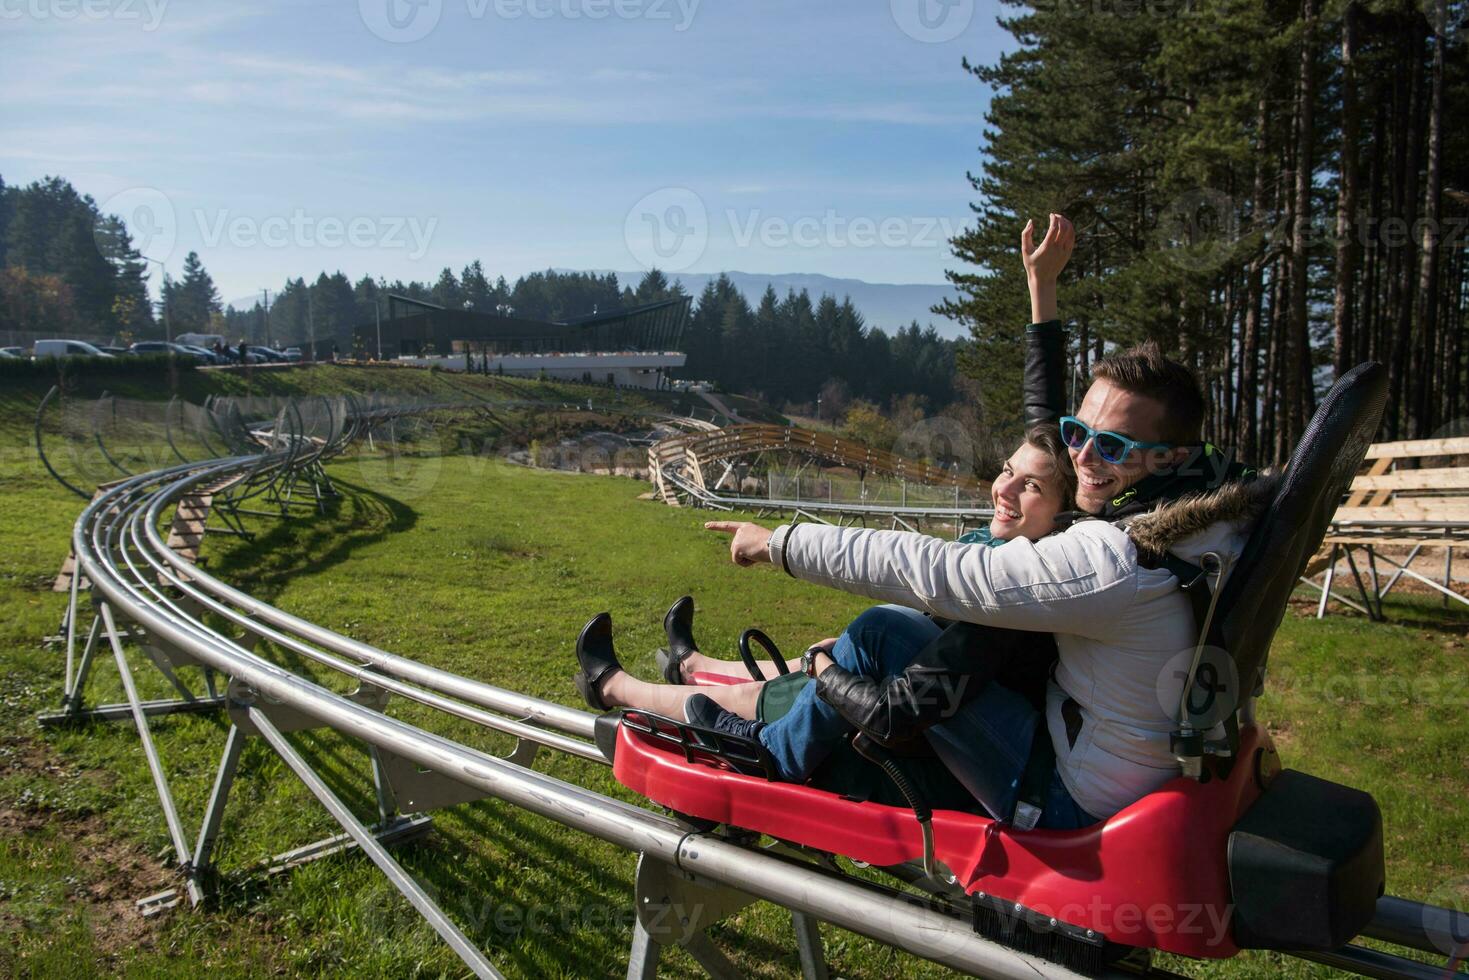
x,y
489,570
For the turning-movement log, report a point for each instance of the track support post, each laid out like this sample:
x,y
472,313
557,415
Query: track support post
x,y
676,908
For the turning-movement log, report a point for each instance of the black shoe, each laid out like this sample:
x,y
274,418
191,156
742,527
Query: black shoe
x,y
678,625
704,712
596,657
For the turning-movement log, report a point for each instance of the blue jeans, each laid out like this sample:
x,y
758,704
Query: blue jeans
x,y
982,748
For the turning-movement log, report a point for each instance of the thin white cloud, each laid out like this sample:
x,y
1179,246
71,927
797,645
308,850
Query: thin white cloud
x,y
627,75
438,78
263,65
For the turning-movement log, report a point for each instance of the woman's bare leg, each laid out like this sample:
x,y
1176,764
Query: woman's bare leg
x,y
697,663
621,689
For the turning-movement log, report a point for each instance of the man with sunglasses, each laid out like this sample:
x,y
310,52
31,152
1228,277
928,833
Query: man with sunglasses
x,y
1151,493
1107,460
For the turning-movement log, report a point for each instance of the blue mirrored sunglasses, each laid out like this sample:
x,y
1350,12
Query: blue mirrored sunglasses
x,y
1114,447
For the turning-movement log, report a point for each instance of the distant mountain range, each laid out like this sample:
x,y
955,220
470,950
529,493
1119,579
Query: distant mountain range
x,y
890,306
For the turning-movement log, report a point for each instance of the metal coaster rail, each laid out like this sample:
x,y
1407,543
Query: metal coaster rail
x,y
678,468
146,594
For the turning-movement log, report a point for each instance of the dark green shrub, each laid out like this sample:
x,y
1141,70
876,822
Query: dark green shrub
x,y
63,369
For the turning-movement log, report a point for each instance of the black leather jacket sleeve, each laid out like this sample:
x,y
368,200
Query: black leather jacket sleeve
x,y
1044,388
944,676
955,666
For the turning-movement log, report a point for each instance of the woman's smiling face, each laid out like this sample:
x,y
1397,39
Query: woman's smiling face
x,y
1027,495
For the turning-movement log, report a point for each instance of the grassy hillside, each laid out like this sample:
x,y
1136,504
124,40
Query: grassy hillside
x,y
489,570
20,395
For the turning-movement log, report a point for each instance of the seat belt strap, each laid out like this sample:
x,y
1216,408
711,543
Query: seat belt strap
x,y
1030,798
1194,582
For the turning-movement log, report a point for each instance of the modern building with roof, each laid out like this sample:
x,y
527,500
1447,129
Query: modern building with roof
x,y
635,347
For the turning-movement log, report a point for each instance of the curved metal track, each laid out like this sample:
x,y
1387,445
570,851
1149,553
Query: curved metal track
x,y
148,595
679,468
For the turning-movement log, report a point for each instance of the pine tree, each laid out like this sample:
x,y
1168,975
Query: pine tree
x,y
476,288
334,305
131,308
367,293
703,336
447,291
765,347
653,287
739,369
191,301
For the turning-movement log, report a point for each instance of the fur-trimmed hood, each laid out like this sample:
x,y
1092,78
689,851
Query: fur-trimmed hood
x,y
1165,527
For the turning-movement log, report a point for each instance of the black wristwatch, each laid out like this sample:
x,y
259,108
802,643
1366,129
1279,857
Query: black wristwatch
x,y
808,661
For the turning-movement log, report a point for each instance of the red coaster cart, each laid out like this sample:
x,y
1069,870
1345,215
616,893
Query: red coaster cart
x,y
1239,854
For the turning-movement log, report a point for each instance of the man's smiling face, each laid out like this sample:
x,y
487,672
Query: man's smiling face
x,y
1108,407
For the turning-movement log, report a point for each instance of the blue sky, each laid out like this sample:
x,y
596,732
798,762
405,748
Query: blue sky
x,y
395,137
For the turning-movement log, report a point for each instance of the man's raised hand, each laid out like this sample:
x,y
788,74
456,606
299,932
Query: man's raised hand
x,y
750,544
1044,262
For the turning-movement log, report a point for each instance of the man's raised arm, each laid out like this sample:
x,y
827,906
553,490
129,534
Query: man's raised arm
x,y
1043,388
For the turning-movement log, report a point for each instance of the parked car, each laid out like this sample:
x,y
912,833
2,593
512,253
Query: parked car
x,y
208,355
5,355
114,351
270,354
67,348
292,354
252,355
164,347
14,351
204,340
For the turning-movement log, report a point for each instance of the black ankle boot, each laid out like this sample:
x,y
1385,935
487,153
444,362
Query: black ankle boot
x,y
678,626
596,657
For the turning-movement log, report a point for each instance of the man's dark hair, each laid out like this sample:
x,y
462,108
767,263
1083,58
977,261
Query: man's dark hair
x,y
1144,370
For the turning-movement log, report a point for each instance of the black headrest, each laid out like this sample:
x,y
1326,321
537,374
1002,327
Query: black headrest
x,y
1290,530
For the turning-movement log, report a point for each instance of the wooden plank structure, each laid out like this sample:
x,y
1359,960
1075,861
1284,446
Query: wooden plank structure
x,y
1411,495
662,454
68,567
185,532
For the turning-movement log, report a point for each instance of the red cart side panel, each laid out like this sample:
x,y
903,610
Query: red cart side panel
x,y
1152,875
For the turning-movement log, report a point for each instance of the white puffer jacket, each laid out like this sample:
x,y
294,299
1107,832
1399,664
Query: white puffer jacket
x,y
1117,624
